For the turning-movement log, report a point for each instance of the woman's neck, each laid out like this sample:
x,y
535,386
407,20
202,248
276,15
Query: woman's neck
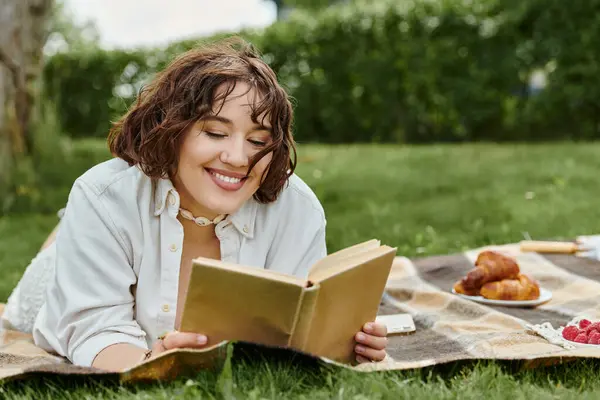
x,y
192,230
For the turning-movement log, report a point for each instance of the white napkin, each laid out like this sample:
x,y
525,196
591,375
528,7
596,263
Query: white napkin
x,y
554,336
591,244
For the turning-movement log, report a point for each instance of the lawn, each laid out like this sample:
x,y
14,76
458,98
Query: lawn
x,y
424,200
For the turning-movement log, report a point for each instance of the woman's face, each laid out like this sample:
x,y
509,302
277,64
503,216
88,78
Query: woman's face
x,y
212,176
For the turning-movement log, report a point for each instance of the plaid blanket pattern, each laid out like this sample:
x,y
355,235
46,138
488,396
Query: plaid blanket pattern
x,y
449,328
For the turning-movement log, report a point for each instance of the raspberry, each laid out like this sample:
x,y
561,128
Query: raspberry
x,y
581,338
570,332
594,338
593,327
584,323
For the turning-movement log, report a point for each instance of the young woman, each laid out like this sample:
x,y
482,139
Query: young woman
x,y
203,166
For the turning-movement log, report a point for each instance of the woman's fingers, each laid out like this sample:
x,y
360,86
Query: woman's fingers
x,y
369,353
371,343
362,359
157,348
375,342
180,340
375,329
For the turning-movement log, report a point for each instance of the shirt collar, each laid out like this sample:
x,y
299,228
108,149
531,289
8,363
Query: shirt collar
x,y
243,219
162,187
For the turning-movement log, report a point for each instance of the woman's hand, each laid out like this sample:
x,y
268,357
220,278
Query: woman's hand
x,y
371,343
178,340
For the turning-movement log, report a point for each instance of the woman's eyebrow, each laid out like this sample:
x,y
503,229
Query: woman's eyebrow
x,y
227,121
217,118
261,127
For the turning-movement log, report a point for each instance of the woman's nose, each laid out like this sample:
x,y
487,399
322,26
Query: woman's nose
x,y
234,153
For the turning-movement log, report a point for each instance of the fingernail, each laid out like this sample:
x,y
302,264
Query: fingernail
x,y
360,349
369,327
201,339
361,336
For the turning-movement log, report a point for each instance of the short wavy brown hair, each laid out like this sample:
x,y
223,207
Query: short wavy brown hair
x,y
150,134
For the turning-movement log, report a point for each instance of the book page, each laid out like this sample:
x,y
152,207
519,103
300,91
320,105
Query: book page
x,y
336,258
346,263
254,271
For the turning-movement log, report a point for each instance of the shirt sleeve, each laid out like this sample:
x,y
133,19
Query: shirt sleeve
x,y
299,241
89,302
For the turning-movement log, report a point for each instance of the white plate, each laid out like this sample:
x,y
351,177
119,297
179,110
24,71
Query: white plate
x,y
545,296
576,344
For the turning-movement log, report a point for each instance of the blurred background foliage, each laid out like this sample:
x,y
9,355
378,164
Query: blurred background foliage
x,y
403,71
361,71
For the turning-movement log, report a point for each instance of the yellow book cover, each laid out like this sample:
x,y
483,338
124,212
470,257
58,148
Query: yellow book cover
x,y
319,315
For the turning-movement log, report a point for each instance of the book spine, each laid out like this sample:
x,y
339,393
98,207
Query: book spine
x,y
304,317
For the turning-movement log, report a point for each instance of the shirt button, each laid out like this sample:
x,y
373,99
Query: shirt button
x,y
165,307
171,199
245,229
173,247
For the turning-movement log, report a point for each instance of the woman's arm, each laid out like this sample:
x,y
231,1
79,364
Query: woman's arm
x,y
89,304
121,356
118,357
50,239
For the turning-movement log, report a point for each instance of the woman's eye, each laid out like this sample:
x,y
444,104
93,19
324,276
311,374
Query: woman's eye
x,y
257,143
215,135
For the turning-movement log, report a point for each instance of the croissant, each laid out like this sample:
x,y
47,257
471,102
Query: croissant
x,y
460,289
523,288
491,267
492,256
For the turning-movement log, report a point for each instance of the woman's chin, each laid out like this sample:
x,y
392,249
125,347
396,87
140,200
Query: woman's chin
x,y
224,207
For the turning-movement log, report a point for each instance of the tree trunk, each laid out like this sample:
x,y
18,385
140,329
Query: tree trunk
x,y
23,32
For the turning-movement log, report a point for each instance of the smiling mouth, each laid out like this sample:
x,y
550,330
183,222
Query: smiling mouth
x,y
227,179
227,182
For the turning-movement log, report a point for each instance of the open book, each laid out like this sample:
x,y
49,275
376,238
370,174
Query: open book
x,y
319,316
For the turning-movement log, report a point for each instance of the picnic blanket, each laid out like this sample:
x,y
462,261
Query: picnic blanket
x,y
449,328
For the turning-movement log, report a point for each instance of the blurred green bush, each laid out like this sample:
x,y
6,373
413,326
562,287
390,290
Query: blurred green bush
x,y
409,71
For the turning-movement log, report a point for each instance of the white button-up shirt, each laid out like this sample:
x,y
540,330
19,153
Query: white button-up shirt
x,y
118,254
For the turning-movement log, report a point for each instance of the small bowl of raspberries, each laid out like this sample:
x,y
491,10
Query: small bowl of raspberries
x,y
585,332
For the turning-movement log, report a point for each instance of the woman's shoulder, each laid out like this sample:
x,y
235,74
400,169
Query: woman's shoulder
x,y
294,229
111,174
298,191
297,200
120,189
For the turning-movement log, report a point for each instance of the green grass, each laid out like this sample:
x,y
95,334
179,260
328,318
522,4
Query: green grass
x,y
424,200
438,199
284,381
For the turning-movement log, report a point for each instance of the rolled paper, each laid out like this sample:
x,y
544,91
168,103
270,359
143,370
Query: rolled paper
x,y
549,247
